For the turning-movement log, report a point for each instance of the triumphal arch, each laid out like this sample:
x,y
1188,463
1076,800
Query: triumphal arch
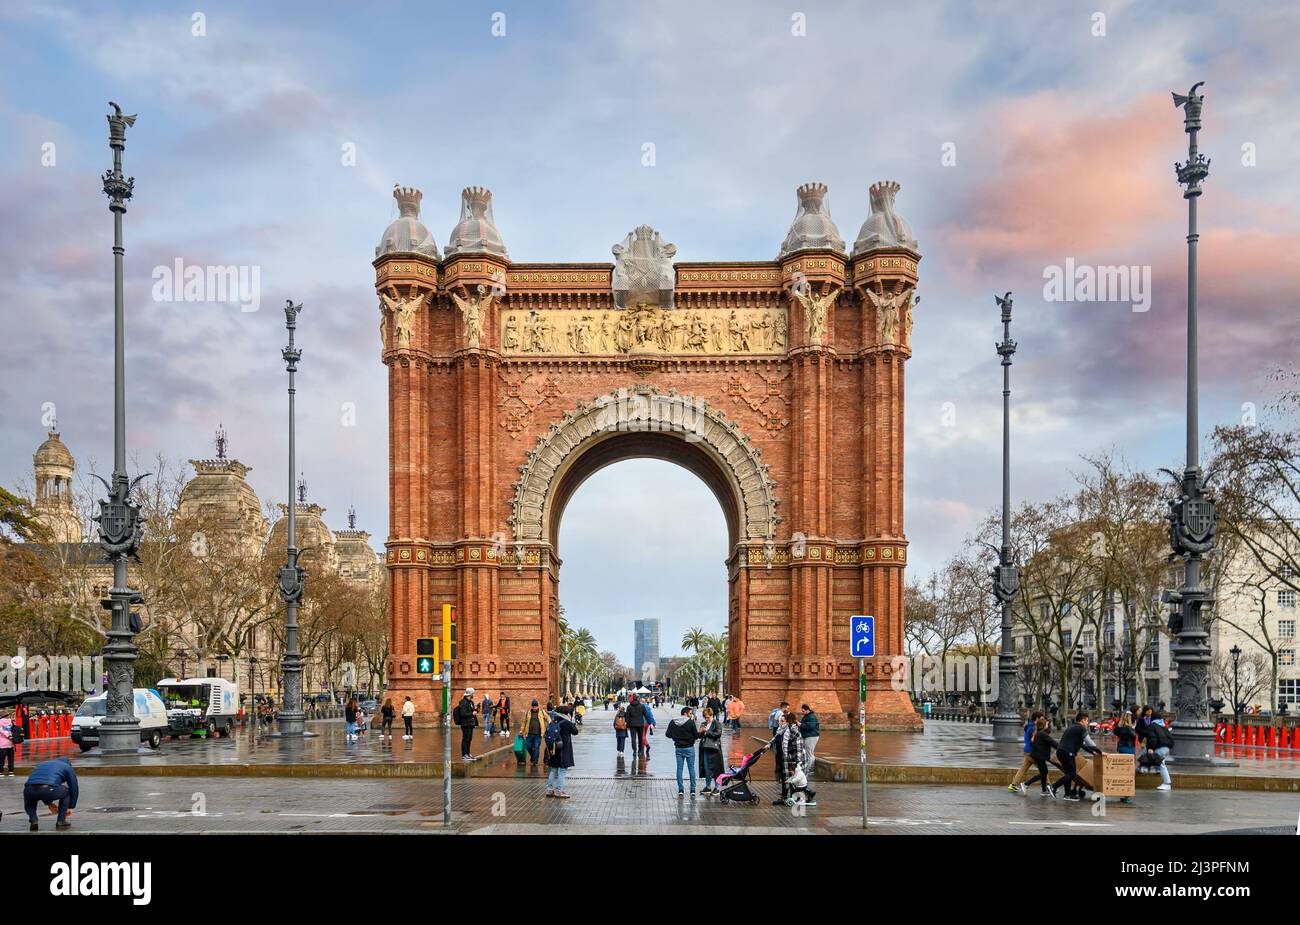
x,y
779,382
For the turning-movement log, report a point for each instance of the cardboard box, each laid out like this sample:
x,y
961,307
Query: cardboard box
x,y
1111,775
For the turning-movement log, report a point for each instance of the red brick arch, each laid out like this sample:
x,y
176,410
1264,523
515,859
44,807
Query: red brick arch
x,y
799,437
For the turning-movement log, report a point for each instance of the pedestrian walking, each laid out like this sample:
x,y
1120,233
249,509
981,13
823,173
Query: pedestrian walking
x,y
463,716
683,733
648,730
1017,784
51,782
1041,746
350,719
408,719
1126,742
7,735
1074,740
636,722
533,728
710,751
386,714
489,717
810,730
735,712
503,713
559,751
620,730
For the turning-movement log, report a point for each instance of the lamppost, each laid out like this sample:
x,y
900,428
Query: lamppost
x,y
1191,514
1235,652
1006,577
292,577
120,522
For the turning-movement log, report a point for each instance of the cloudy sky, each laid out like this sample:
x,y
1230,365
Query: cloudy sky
x,y
1023,135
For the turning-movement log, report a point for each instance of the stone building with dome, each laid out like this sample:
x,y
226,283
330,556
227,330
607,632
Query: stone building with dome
x,y
219,497
53,504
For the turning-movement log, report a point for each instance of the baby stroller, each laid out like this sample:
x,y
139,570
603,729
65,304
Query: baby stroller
x,y
733,785
363,722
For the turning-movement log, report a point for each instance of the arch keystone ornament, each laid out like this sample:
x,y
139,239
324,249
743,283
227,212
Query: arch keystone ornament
x,y
778,382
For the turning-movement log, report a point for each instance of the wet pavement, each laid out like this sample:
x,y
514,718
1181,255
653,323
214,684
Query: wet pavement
x,y
942,744
327,744
631,805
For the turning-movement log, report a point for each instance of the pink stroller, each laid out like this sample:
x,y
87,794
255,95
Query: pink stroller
x,y
733,784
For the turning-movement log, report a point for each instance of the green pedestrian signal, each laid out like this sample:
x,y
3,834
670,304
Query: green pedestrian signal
x,y
426,655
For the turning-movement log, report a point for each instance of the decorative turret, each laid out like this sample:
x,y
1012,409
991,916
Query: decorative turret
x,y
357,561
314,539
812,228
884,228
407,234
220,497
53,466
476,232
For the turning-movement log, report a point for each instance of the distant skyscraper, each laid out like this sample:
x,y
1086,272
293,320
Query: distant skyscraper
x,y
646,648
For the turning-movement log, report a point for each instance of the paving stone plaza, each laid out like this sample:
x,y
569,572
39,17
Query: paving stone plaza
x,y
329,784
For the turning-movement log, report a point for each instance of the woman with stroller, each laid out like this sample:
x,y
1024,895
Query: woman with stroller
x,y
710,751
793,757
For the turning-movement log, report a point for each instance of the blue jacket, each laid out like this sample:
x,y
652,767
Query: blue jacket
x,y
55,772
1029,737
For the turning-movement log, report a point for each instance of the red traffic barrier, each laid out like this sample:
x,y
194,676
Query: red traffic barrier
x,y
1221,732
67,725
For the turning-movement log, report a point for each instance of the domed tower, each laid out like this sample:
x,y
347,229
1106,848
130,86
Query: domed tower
x,y
476,232
812,228
220,493
315,541
357,561
407,234
54,466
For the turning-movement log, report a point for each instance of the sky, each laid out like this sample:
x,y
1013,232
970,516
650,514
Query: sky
x,y
1024,135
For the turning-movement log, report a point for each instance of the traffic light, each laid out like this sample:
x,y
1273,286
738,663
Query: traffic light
x,y
426,655
449,632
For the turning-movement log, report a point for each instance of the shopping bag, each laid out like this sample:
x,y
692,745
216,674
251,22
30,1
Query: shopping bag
x,y
519,745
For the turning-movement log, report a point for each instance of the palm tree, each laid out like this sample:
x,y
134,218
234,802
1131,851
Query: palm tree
x,y
694,639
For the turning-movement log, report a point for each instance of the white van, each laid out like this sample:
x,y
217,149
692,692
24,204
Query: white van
x,y
200,706
149,710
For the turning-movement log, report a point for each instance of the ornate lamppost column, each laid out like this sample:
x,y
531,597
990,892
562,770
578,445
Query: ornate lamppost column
x,y
1191,514
292,577
119,519
1006,577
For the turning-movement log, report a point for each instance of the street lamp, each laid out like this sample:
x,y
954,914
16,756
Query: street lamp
x,y
1235,652
1191,514
119,519
292,576
1006,577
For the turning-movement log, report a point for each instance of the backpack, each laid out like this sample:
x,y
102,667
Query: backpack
x,y
620,723
554,740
